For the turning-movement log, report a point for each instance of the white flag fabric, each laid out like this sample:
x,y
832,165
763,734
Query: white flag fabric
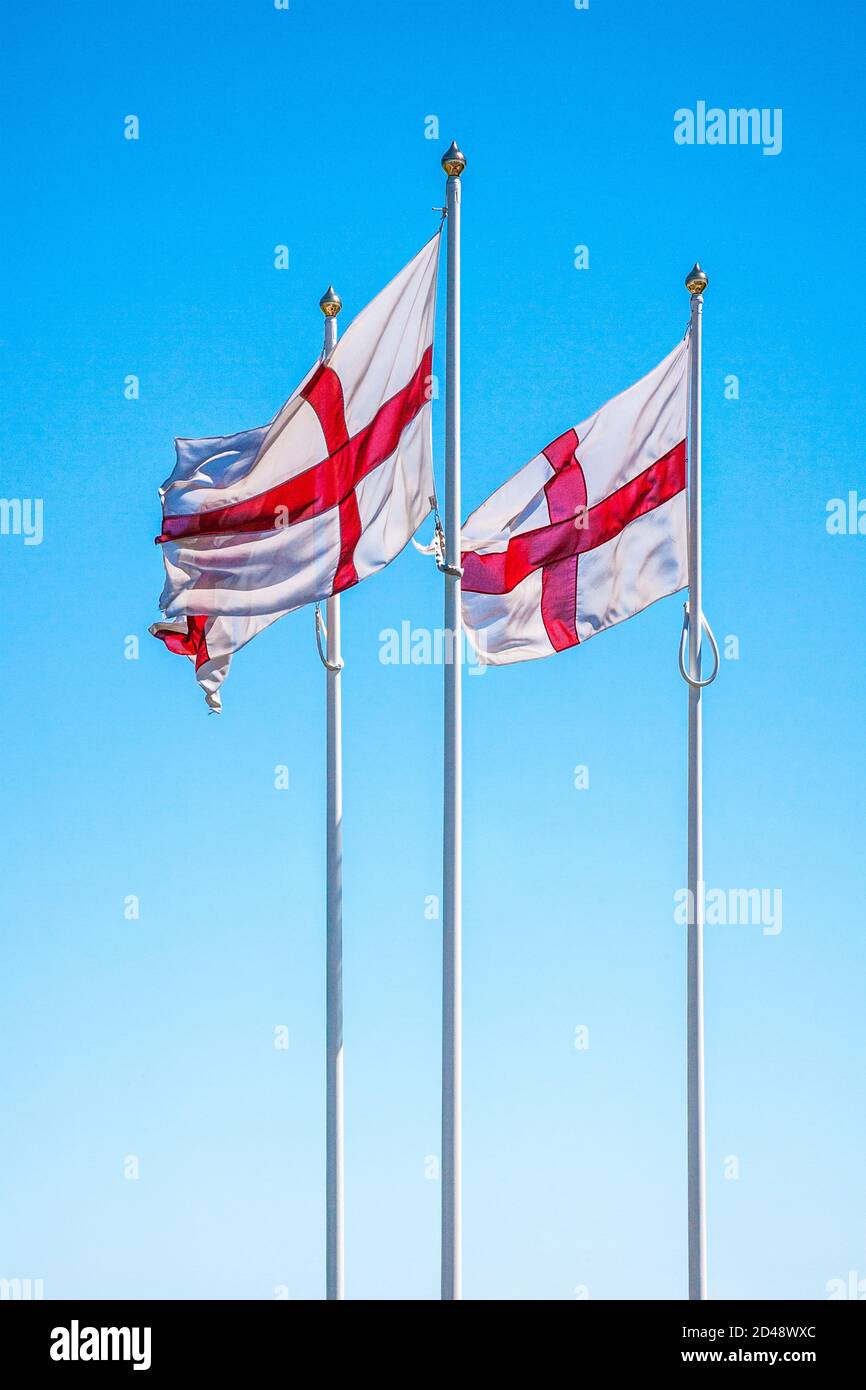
x,y
260,523
590,532
210,643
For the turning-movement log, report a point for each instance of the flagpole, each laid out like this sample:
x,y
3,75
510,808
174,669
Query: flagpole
x,y
453,163
696,283
331,304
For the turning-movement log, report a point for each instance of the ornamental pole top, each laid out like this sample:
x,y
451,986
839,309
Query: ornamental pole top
x,y
696,280
454,161
330,303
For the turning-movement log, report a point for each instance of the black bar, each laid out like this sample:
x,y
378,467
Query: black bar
x,y
225,1338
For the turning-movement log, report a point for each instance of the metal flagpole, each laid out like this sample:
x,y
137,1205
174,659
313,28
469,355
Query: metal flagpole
x,y
331,304
696,283
453,163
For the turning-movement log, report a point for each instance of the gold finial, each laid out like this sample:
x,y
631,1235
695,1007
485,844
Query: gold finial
x,y
330,303
454,161
696,280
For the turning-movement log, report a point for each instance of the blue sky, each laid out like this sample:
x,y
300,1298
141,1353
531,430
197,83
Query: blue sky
x,y
154,1037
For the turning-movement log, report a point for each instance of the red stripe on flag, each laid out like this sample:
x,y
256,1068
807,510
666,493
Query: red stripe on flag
x,y
321,487
190,643
324,391
502,571
559,603
350,534
566,490
566,497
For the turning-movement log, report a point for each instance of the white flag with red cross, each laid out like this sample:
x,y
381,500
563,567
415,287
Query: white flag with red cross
x,y
590,532
210,643
260,523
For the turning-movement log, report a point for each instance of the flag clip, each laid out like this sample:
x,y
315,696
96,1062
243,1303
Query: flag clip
x,y
440,545
437,546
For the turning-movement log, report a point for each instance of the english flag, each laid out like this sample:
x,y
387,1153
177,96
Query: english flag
x,y
210,643
258,524
590,532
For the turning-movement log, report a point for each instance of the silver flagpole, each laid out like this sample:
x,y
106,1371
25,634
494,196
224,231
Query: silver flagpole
x,y
696,283
453,163
331,304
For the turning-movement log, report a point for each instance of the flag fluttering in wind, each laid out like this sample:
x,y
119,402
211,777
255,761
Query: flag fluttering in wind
x,y
210,643
260,523
590,532
598,526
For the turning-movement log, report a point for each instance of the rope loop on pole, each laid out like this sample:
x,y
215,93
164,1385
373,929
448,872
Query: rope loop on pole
x,y
697,685
323,657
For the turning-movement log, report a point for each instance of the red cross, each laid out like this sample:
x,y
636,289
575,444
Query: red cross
x,y
574,529
329,484
324,392
566,501
191,643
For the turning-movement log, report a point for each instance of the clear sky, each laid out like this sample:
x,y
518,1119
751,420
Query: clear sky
x,y
152,1039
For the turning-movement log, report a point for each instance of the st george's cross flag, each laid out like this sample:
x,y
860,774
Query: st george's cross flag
x,y
590,532
260,523
210,643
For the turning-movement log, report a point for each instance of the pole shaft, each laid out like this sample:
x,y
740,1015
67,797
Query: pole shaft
x,y
452,829
695,969
334,950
